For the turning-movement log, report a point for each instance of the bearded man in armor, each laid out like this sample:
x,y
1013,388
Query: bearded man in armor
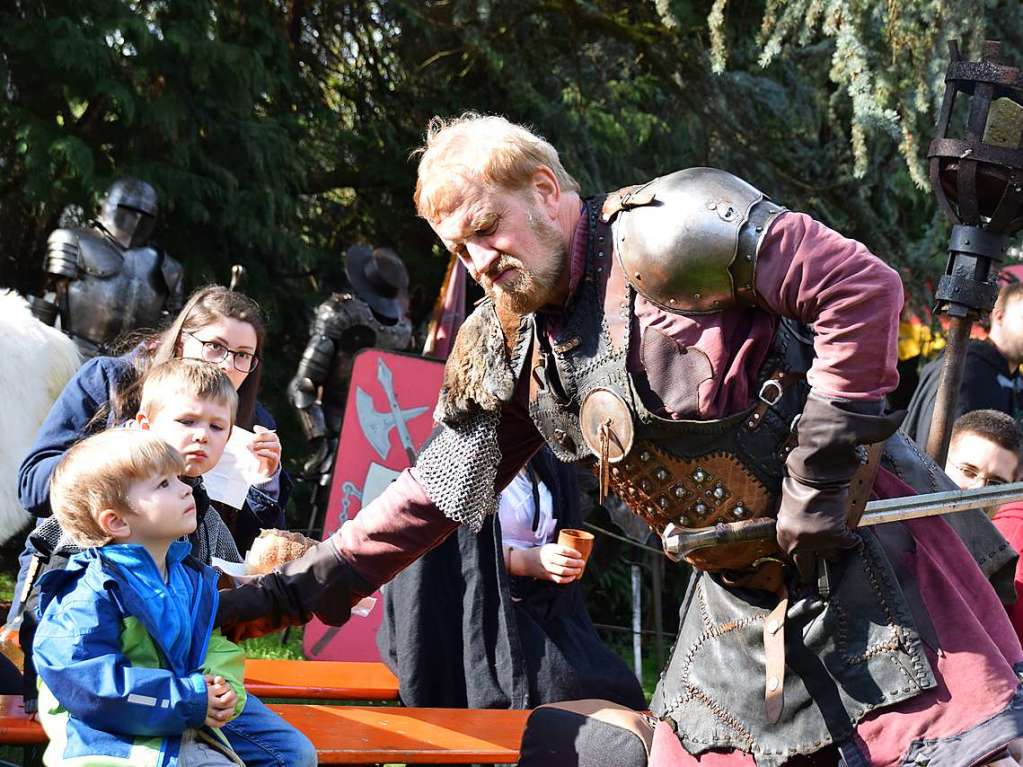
x,y
372,314
105,279
714,357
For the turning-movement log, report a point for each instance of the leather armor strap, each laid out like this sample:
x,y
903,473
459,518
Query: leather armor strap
x,y
774,657
863,483
770,393
617,312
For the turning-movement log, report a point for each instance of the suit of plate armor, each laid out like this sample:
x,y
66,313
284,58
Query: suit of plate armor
x,y
343,325
105,279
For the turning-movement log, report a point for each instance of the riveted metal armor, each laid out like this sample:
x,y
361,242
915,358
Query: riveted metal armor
x,y
670,472
343,325
105,279
688,241
114,291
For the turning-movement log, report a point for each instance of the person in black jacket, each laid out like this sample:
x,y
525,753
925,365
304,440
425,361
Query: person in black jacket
x,y
991,374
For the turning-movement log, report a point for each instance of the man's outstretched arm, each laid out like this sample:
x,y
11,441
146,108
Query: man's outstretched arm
x,y
397,528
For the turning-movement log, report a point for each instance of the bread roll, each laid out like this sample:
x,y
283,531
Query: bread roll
x,y
274,548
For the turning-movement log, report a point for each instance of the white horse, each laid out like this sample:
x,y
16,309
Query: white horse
x,y
36,361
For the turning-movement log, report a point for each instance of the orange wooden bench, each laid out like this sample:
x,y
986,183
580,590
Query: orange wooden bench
x,y
361,734
16,729
320,680
367,734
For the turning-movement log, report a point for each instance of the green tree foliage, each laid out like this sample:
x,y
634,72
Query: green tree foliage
x,y
279,132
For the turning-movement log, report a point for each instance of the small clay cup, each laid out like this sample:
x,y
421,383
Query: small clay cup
x,y
580,540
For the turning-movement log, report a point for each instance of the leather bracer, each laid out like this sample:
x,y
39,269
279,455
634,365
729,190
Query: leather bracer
x,y
819,470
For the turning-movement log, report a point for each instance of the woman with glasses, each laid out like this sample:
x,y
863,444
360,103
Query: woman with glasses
x,y
217,325
224,328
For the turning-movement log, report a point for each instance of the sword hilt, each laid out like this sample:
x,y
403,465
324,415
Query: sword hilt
x,y
680,542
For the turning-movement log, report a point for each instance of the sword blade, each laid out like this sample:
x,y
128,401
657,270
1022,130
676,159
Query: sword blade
x,y
934,504
681,541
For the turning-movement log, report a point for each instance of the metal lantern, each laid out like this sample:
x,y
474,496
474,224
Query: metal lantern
x,y
976,170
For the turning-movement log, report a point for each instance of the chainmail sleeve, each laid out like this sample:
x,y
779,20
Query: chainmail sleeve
x,y
458,466
458,469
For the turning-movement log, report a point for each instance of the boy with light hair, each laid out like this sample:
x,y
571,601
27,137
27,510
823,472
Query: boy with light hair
x,y
190,405
130,666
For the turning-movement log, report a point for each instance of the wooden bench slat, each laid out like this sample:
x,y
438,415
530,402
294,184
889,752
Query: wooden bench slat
x,y
364,734
322,680
16,728
361,734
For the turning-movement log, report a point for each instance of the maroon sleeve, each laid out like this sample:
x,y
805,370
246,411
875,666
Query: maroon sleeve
x,y
811,273
402,523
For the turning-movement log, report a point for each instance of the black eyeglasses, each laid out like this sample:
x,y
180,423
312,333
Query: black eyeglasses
x,y
216,352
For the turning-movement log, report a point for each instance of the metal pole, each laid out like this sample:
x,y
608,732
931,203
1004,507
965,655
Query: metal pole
x,y
657,572
637,621
952,366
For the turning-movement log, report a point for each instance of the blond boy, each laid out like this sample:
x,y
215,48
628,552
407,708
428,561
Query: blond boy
x,y
131,669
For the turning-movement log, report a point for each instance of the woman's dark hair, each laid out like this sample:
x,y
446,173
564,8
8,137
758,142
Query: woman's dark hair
x,y
204,307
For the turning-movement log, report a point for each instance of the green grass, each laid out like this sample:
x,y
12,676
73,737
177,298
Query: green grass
x,y
7,581
285,645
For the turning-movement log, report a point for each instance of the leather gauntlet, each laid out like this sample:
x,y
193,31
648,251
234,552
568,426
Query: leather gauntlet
x,y
320,582
815,492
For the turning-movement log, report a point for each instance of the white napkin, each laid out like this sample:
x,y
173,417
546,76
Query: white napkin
x,y
237,470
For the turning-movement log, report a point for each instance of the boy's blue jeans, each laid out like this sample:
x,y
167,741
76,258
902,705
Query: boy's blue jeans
x,y
262,739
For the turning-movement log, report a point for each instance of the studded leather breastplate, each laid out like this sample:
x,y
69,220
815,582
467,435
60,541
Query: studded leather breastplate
x,y
684,472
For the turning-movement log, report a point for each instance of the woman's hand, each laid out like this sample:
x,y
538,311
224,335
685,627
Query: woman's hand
x,y
267,448
549,562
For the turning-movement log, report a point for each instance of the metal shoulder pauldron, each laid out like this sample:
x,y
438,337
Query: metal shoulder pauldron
x,y
689,241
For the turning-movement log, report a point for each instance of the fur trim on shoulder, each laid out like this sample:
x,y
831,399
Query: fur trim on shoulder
x,y
478,374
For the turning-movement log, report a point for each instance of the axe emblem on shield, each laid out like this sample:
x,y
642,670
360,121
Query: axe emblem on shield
x,y
376,425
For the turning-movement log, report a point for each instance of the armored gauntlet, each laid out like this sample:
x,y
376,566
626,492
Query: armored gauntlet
x,y
815,492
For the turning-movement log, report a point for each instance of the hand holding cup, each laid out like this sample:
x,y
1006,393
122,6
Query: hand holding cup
x,y
578,540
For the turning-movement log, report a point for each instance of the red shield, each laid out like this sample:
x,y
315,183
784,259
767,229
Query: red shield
x,y
388,416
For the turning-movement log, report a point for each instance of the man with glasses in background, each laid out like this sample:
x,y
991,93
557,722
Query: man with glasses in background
x,y
984,450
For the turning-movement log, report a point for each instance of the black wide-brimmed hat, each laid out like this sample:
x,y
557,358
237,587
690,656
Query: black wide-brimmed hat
x,y
379,278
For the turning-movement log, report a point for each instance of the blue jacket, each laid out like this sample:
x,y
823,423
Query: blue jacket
x,y
121,656
89,390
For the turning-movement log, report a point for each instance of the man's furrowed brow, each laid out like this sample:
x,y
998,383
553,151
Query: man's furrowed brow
x,y
453,240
